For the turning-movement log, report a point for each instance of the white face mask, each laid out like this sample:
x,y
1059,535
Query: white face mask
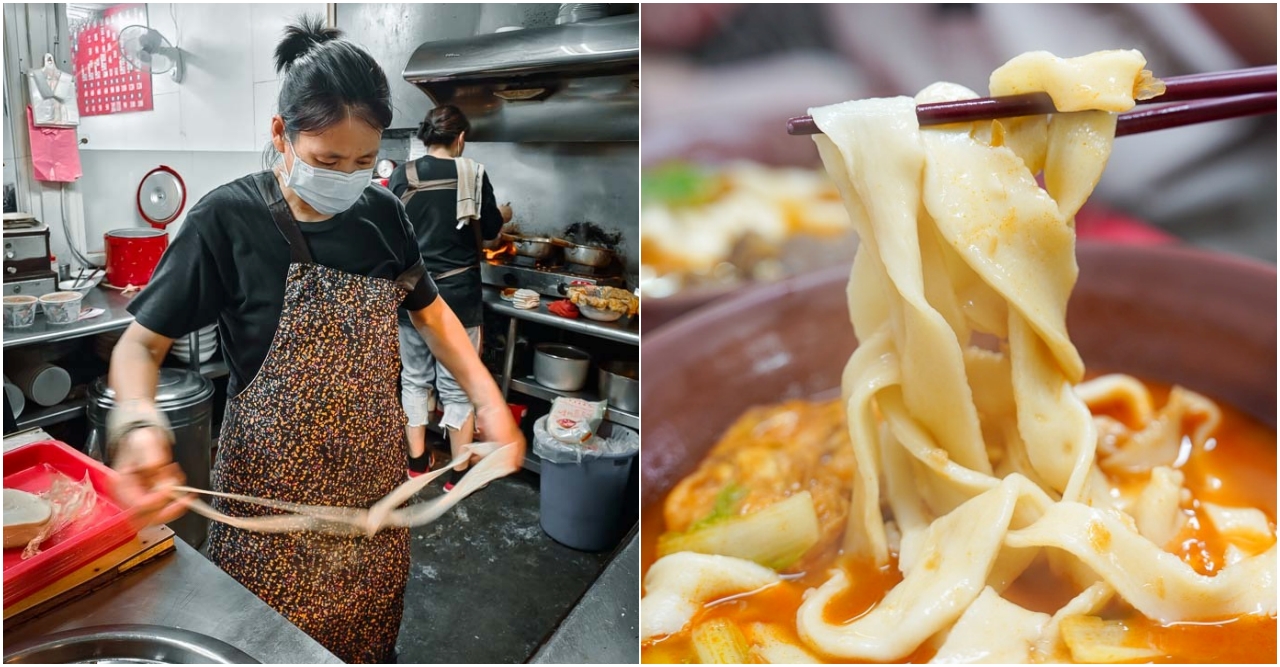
x,y
327,191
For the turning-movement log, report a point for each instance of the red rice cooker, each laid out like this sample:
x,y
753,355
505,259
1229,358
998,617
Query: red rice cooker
x,y
132,255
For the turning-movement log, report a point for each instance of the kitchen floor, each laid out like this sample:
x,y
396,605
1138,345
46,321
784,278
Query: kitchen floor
x,y
486,584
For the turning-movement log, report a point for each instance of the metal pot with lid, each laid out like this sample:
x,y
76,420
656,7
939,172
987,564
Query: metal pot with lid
x,y
186,400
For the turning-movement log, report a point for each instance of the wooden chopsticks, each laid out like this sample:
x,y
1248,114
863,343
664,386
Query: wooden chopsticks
x,y
1238,93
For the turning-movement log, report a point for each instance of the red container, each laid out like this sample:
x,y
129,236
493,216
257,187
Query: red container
x,y
132,255
31,468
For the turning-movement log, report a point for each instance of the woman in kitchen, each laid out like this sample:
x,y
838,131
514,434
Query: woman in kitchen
x,y
450,202
304,267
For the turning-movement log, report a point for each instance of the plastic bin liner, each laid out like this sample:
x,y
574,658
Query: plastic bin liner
x,y
612,441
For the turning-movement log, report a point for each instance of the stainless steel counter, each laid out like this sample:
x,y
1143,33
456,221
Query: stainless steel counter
x,y
116,317
604,627
624,330
184,590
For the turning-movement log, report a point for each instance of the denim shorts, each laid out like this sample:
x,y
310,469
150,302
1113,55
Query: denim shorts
x,y
422,373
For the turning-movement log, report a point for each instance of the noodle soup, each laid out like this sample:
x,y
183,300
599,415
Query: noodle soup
x,y
972,496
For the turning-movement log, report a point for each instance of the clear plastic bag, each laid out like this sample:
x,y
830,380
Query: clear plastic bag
x,y
71,501
610,440
574,421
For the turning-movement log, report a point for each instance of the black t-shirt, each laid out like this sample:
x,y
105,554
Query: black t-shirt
x,y
229,263
444,247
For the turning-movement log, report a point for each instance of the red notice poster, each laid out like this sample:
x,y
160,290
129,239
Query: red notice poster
x,y
105,83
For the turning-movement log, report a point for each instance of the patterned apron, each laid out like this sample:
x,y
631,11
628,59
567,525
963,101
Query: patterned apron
x,y
321,424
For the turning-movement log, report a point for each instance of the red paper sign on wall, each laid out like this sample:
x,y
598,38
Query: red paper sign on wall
x,y
105,82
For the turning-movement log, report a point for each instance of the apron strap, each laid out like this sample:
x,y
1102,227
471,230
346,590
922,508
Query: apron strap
x,y
415,185
299,252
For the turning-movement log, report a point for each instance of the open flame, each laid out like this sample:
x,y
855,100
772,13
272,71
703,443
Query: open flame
x,y
507,249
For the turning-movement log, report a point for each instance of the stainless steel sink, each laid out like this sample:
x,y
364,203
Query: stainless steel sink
x,y
126,644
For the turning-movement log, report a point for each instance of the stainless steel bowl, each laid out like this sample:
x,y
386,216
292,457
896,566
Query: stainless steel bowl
x,y
562,367
620,385
127,644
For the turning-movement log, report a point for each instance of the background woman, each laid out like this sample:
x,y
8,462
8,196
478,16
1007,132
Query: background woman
x,y
450,202
303,267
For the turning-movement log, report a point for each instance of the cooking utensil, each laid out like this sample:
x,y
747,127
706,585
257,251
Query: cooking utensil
x,y
713,356
588,255
132,255
562,367
620,385
1245,92
537,247
162,195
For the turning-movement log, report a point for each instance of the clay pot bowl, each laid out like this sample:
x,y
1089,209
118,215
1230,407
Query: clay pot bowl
x,y
1165,313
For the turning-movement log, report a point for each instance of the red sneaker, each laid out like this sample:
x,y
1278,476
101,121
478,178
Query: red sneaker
x,y
454,478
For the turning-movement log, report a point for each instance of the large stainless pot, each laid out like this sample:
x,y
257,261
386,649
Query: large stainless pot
x,y
620,385
562,367
186,399
129,644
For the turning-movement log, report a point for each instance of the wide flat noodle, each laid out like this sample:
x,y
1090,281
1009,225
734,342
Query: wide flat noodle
x,y
952,566
1153,581
677,586
969,424
992,630
499,461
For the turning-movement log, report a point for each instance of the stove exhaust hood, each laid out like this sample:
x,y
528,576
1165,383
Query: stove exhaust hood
x,y
578,81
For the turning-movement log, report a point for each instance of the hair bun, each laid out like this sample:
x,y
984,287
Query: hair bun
x,y
300,38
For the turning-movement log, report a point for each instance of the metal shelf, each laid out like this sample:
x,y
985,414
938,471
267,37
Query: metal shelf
x,y
54,414
74,408
530,387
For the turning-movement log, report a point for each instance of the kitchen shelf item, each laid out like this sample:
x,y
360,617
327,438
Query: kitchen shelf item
x,y
132,255
620,384
31,468
20,311
43,383
62,307
560,366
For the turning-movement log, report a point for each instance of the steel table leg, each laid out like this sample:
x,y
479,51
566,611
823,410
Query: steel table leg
x,y
509,359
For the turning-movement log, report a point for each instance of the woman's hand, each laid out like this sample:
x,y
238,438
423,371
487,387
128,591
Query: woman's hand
x,y
495,424
147,472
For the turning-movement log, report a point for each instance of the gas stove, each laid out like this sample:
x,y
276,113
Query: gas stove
x,y
553,281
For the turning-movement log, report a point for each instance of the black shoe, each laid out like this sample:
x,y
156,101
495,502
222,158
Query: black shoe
x,y
454,477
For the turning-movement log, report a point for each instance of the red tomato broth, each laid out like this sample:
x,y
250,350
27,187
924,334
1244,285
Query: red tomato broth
x,y
1237,468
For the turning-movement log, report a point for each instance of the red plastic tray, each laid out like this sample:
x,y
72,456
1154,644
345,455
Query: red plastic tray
x,y
30,468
